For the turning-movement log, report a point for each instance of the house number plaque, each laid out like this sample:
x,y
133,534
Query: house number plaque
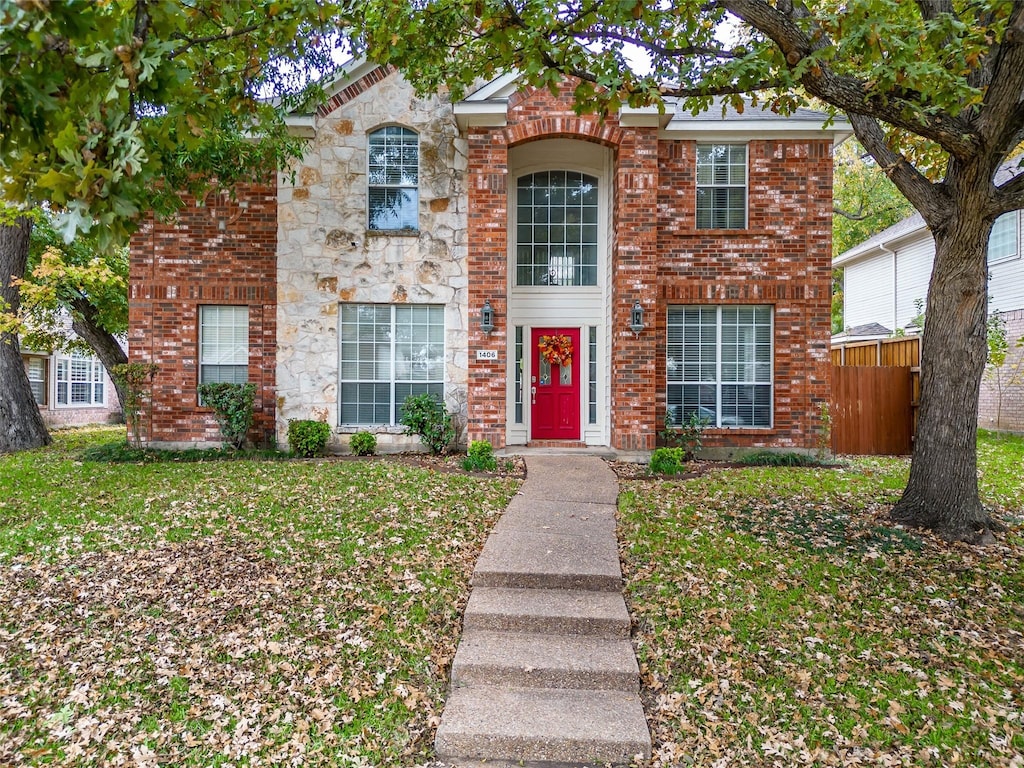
x,y
487,354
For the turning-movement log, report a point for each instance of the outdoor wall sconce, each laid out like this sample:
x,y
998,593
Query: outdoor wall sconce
x,y
636,318
487,317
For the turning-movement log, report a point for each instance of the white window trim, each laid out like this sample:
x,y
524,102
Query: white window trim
x,y
745,186
202,325
1016,251
96,376
718,383
416,186
393,379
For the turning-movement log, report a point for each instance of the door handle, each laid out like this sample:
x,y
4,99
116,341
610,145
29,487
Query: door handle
x,y
533,395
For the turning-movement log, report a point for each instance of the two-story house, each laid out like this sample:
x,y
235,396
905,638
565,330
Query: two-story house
x,y
557,278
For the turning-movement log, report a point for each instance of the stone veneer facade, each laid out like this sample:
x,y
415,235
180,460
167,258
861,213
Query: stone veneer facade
x,y
295,270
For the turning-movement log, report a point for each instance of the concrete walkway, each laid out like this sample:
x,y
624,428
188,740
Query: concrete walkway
x,y
545,673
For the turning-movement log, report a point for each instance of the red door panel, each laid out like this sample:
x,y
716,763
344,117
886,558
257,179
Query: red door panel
x,y
555,389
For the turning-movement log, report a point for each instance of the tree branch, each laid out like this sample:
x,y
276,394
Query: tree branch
x,y
1002,114
930,199
851,94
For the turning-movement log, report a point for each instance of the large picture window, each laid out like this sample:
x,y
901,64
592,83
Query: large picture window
x,y
393,179
223,344
719,365
388,352
721,186
556,229
80,381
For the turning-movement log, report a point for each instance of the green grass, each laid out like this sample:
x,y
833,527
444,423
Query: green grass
x,y
229,612
782,620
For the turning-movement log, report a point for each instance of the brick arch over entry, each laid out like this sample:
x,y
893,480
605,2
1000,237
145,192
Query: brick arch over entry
x,y
535,114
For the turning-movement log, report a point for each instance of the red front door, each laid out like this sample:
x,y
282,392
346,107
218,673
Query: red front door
x,y
554,387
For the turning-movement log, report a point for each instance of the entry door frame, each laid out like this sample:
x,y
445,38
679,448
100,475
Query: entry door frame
x,y
556,392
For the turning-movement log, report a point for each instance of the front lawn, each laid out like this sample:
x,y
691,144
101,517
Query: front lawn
x,y
229,612
781,620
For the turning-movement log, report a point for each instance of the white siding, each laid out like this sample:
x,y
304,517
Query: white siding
x,y
913,271
868,288
1006,285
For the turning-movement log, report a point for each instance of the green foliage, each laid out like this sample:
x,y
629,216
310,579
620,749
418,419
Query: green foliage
x,y
778,459
824,430
363,443
998,343
480,457
865,201
232,405
688,435
308,438
110,108
426,416
136,380
667,461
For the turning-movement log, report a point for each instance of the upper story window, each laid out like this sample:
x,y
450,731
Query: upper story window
x,y
393,179
1003,243
556,229
721,186
79,381
223,344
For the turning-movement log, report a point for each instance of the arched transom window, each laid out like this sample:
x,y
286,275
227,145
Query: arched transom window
x,y
556,229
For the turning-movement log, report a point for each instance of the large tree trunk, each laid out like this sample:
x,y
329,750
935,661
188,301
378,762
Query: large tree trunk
x,y
942,493
102,341
21,424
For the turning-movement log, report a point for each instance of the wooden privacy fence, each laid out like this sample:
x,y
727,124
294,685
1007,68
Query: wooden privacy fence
x,y
875,391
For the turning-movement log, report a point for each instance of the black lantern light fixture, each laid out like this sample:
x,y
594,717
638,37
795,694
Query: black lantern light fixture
x,y
487,317
636,318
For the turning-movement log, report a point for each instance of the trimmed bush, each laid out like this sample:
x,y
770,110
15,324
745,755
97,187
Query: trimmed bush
x,y
426,416
363,444
308,438
480,457
777,459
233,408
667,461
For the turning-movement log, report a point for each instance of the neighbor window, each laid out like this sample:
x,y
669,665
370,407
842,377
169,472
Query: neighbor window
x,y
1002,243
79,381
35,367
719,365
721,186
394,177
223,344
388,352
556,229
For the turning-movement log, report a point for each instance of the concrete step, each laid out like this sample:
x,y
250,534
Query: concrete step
x,y
557,611
540,725
524,558
521,660
568,518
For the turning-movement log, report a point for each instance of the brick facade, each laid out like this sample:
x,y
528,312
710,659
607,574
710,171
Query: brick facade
x,y
1006,413
234,253
222,252
782,259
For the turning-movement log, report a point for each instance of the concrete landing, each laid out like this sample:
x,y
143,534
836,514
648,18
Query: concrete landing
x,y
545,674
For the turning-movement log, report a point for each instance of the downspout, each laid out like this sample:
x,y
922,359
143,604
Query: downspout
x,y
895,302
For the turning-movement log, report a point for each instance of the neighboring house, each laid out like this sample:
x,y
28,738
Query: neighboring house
x,y
885,283
430,247
71,388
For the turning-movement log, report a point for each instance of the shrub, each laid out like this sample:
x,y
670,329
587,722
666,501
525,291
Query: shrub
x,y
667,461
232,406
777,459
688,436
363,444
425,415
480,457
307,437
135,379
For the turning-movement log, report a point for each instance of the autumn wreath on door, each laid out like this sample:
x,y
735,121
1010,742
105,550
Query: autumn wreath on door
x,y
556,349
